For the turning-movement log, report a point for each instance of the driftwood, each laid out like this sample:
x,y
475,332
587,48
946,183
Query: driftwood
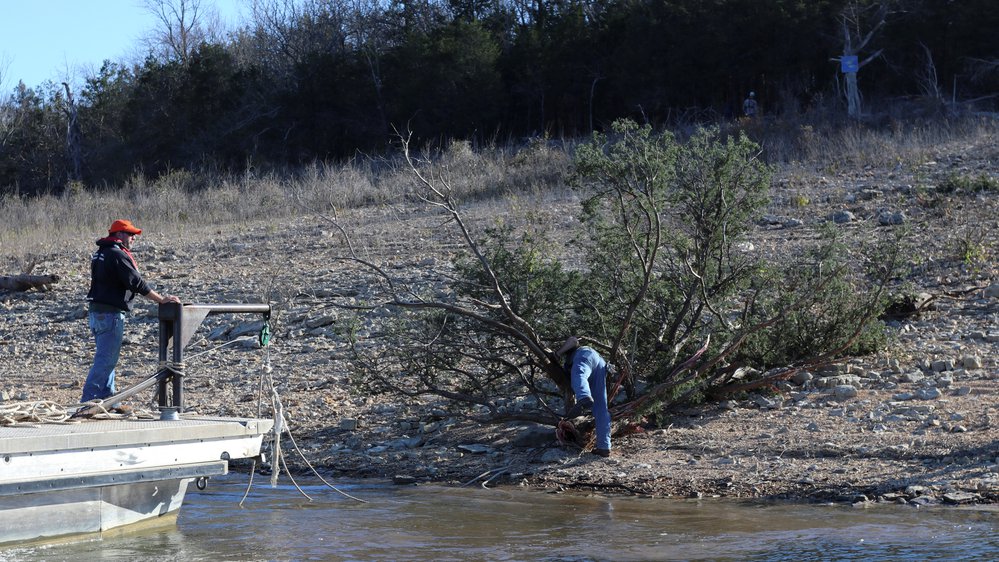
x,y
25,282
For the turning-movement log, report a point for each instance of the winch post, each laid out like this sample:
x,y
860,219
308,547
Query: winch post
x,y
178,322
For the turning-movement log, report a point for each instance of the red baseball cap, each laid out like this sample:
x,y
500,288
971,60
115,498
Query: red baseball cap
x,y
122,225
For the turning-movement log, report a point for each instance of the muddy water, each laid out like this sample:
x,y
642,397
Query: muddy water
x,y
434,523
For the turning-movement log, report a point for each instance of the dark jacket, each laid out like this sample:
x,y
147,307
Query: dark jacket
x,y
114,277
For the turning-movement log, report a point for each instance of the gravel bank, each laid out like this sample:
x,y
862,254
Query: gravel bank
x,y
917,424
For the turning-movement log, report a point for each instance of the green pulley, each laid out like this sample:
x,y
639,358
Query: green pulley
x,y
265,334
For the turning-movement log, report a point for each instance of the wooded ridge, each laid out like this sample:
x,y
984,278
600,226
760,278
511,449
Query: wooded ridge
x,y
317,80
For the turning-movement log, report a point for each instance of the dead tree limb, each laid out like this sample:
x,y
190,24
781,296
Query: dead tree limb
x,y
25,282
497,316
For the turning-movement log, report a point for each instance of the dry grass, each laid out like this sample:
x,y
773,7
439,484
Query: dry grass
x,y
182,202
832,147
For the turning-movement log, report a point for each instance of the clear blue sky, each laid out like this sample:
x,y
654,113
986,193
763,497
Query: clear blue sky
x,y
65,39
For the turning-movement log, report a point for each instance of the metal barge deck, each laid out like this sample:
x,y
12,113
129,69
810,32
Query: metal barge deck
x,y
92,476
96,476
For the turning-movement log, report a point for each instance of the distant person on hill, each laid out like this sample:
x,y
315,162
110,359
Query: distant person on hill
x,y
114,282
749,106
588,375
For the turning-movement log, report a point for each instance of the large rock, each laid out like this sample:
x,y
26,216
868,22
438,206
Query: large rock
x,y
554,455
802,377
536,435
843,217
845,392
941,365
247,328
839,380
928,394
957,498
891,219
320,321
971,362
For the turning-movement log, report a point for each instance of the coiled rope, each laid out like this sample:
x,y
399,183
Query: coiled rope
x,y
31,413
104,413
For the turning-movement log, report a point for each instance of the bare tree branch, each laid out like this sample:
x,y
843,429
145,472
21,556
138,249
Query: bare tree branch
x,y
182,26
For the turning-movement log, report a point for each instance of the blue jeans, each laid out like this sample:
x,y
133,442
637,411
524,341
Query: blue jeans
x,y
108,329
588,376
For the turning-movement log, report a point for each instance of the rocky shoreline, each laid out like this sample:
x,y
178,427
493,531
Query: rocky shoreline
x,y
917,424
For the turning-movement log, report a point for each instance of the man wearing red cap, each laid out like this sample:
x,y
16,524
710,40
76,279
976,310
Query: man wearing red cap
x,y
114,282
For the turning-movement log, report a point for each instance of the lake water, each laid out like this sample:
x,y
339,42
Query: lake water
x,y
436,523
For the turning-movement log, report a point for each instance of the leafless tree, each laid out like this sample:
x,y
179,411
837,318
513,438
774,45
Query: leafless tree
x,y
4,69
182,25
929,83
858,25
285,32
73,151
370,31
983,68
10,115
497,344
982,71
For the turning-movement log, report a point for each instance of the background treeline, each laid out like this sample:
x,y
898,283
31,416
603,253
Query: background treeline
x,y
317,80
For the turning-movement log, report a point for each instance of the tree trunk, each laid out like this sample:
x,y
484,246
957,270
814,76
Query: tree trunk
x,y
72,137
852,95
854,41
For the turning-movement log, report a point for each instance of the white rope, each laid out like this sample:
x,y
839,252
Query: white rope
x,y
253,469
48,412
220,346
281,426
109,414
172,366
29,413
278,432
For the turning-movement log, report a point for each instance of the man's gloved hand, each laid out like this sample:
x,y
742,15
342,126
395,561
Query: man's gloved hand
x,y
577,410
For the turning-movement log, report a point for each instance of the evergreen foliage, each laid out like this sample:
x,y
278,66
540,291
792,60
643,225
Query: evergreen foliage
x,y
307,80
667,223
664,268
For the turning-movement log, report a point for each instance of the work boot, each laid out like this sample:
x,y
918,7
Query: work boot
x,y
577,410
601,452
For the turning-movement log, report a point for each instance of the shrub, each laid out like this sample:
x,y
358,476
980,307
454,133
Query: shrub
x,y
664,268
966,183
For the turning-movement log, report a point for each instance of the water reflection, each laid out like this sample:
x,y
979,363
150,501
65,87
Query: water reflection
x,y
434,523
